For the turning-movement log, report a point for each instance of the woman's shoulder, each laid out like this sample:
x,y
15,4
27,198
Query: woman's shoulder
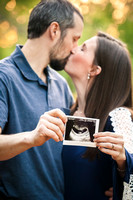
x,y
121,112
118,119
121,117
122,123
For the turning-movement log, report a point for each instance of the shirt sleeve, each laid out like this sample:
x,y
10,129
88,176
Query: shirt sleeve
x,y
3,100
122,123
128,183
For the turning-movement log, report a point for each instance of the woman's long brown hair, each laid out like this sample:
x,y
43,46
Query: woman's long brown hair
x,y
112,88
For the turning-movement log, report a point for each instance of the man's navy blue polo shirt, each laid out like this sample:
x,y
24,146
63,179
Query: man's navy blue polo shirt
x,y
35,174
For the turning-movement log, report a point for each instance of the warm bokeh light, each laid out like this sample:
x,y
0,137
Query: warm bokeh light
x,y
98,1
77,6
10,5
118,14
126,10
84,9
9,38
30,10
121,10
4,26
75,1
85,1
21,19
118,4
113,30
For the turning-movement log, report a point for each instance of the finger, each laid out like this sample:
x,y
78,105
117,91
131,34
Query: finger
x,y
52,127
57,113
109,152
109,139
111,189
45,132
105,134
111,146
109,193
53,120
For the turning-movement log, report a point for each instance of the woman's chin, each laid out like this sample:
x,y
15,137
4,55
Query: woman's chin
x,y
67,67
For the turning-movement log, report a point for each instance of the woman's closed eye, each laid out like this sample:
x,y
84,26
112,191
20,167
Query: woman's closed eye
x,y
83,47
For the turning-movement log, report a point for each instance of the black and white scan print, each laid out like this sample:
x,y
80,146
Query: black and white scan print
x,y
79,131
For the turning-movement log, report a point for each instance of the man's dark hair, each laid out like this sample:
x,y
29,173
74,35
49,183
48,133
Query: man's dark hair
x,y
48,11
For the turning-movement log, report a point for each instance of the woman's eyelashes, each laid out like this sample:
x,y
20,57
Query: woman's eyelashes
x,y
83,47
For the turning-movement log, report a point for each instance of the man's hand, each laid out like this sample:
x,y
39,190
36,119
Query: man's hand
x,y
109,193
50,125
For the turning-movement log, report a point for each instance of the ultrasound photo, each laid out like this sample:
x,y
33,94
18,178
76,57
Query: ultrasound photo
x,y
79,131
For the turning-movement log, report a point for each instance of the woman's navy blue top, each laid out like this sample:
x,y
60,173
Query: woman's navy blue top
x,y
87,179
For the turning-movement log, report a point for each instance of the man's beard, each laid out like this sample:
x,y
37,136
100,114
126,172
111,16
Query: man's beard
x,y
56,63
59,64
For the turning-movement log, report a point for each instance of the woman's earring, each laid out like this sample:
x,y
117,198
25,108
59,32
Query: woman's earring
x,y
88,77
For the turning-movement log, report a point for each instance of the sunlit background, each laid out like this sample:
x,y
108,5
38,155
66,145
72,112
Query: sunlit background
x,y
112,16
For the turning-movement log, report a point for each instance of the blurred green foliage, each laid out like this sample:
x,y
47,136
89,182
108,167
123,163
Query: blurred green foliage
x,y
112,16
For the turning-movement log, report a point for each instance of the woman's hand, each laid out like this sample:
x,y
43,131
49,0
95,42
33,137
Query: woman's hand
x,y
112,144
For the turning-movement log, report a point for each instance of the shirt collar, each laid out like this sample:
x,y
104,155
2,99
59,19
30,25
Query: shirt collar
x,y
25,68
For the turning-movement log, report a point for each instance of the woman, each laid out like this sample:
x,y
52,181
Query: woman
x,y
101,72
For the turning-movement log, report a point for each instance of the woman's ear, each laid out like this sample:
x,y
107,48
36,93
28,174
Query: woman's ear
x,y
54,30
95,70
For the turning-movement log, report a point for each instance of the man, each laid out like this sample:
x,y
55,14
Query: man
x,y
30,163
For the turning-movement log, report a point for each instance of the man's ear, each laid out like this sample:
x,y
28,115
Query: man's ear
x,y
54,30
95,70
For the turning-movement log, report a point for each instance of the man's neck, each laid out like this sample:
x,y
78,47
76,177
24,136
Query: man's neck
x,y
37,55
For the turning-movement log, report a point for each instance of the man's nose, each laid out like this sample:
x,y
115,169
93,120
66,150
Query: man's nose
x,y
74,50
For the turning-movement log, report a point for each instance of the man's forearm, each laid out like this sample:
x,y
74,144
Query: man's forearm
x,y
14,144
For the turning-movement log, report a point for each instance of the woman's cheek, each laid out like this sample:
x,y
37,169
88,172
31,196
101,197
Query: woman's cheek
x,y
78,58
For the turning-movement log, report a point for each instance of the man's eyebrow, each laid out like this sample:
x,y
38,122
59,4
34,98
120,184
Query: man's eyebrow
x,y
78,37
